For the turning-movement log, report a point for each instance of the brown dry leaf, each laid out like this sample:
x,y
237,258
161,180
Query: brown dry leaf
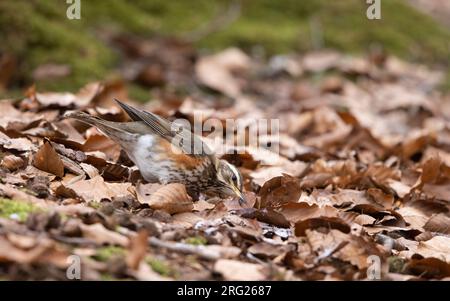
x,y
71,134
296,212
430,172
137,249
233,203
44,130
356,251
234,270
90,170
385,217
74,209
11,192
340,198
102,236
96,189
262,175
329,139
215,71
320,61
144,191
428,268
12,162
266,215
187,219
414,144
72,166
441,192
381,198
19,144
266,250
98,142
364,220
438,223
202,205
244,160
22,241
437,247
172,198
13,119
48,160
280,190
44,252
223,251
382,174
321,222
342,173
65,99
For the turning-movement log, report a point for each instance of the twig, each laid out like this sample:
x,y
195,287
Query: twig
x,y
206,252
330,251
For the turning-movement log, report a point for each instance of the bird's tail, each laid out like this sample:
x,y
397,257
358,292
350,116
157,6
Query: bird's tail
x,y
111,129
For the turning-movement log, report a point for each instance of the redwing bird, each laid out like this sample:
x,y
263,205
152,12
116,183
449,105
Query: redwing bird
x,y
163,152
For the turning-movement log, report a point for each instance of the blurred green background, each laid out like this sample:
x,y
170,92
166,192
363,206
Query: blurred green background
x,y
37,32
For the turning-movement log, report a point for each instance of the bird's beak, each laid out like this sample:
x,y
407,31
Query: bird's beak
x,y
241,197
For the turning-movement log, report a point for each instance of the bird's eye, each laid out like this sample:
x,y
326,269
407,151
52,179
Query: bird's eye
x,y
234,178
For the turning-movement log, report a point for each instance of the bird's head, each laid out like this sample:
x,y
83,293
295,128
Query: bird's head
x,y
229,180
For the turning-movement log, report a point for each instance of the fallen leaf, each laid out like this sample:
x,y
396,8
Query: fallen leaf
x,y
280,190
295,212
319,222
48,160
266,250
96,189
98,142
437,247
233,270
171,198
65,99
12,162
13,119
137,249
438,223
428,268
19,144
266,215
216,71
202,205
99,234
45,252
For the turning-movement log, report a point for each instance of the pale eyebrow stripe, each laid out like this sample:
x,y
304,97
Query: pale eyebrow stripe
x,y
237,173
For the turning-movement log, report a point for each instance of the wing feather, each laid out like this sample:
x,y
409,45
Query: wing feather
x,y
177,135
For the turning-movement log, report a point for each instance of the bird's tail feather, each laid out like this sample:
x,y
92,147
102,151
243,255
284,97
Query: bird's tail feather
x,y
111,129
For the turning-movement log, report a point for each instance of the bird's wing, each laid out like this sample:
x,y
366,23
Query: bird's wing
x,y
175,134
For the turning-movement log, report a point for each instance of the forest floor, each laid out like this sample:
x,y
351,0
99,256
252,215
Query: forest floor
x,y
359,187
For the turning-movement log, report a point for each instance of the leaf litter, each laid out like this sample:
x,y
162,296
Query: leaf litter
x,y
363,169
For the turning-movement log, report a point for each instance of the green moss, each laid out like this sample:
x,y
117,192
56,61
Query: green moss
x,y
95,205
396,264
16,209
41,33
106,253
107,277
196,240
161,267
138,93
